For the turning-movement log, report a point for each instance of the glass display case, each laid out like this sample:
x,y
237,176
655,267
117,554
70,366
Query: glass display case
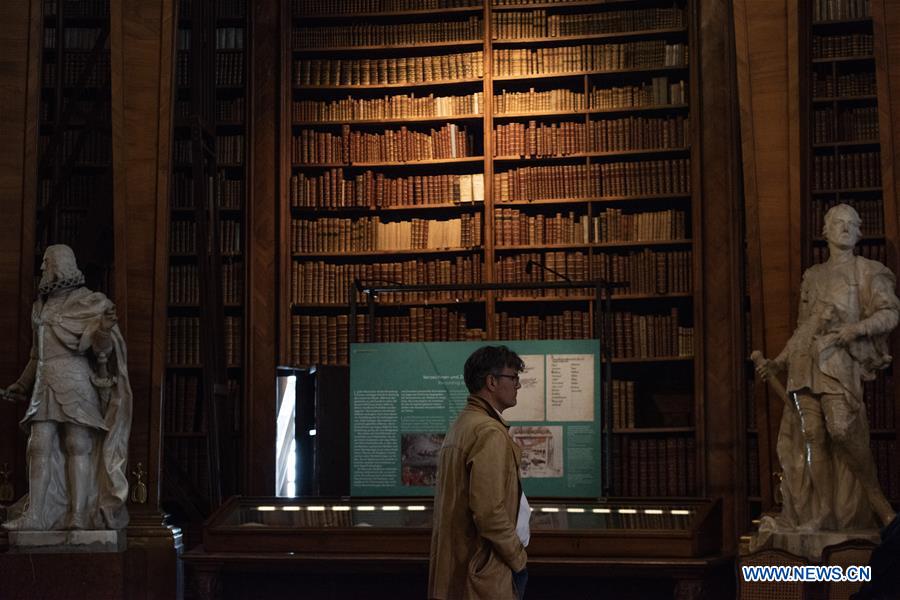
x,y
387,525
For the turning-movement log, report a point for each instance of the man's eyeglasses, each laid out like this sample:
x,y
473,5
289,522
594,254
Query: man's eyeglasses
x,y
515,378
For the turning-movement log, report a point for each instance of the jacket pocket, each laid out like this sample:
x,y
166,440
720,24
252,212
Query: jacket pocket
x,y
489,577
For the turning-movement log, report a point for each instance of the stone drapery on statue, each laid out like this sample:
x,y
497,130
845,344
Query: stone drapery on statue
x,y
79,414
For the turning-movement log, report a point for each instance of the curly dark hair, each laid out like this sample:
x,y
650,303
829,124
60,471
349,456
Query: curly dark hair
x,y
487,360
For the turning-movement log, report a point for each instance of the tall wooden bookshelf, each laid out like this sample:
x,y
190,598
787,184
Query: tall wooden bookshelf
x,y
223,126
844,166
74,204
502,143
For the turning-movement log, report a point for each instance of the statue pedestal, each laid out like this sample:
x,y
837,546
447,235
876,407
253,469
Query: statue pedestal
x,y
67,542
76,570
808,544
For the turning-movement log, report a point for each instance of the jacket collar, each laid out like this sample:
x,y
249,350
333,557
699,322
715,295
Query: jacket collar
x,y
481,404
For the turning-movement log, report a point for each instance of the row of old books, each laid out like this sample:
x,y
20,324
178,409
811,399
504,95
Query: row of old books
x,y
836,10
536,139
351,7
319,282
515,269
588,57
654,466
184,284
376,190
568,325
183,237
230,9
826,85
78,192
753,482
871,251
74,38
397,106
516,228
515,25
560,100
230,110
640,178
233,337
74,67
229,38
392,146
190,454
79,8
646,272
884,452
369,234
81,147
847,171
183,341
230,237
397,34
229,69
69,225
182,152
229,192
879,399
840,46
183,404
658,92
651,335
230,149
623,404
871,212
850,125
182,68
615,225
324,339
387,71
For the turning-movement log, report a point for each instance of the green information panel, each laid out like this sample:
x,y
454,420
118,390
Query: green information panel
x,y
403,398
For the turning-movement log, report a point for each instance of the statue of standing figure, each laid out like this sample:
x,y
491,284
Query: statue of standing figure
x,y
79,414
848,307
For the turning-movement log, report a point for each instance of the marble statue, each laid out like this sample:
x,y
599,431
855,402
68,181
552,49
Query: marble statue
x,y
79,414
848,308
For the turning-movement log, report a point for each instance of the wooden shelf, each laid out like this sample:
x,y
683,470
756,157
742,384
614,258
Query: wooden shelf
x,y
653,359
847,190
846,144
505,7
595,199
835,59
441,119
845,98
359,253
503,78
377,86
400,13
859,20
608,154
186,434
362,304
411,163
459,44
498,42
591,111
614,298
381,209
624,244
652,430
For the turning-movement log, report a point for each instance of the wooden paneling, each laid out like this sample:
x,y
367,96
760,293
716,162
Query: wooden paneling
x,y
718,223
141,38
266,134
20,37
768,82
886,20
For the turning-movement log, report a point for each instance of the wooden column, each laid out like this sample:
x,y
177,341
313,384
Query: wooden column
x,y
267,134
21,33
142,61
767,53
717,229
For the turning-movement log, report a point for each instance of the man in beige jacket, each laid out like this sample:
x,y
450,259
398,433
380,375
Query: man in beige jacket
x,y
476,551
